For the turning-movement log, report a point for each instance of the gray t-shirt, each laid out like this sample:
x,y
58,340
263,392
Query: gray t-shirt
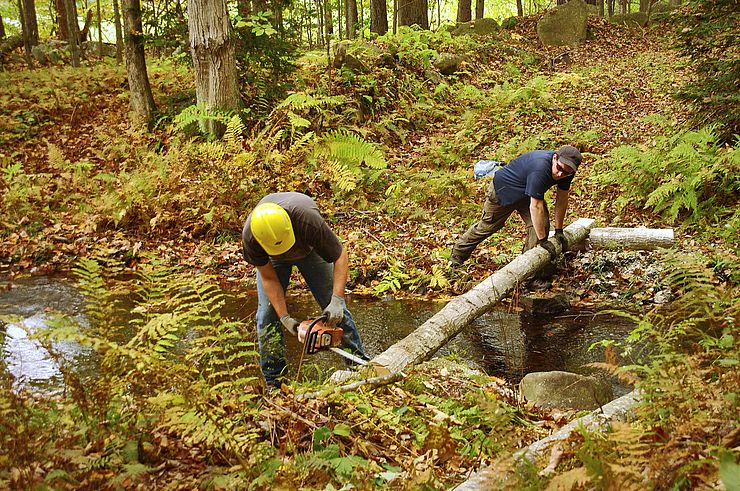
x,y
310,229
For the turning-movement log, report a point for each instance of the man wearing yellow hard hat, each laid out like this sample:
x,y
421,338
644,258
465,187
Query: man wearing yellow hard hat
x,y
286,230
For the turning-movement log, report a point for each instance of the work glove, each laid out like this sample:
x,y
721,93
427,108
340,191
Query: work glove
x,y
290,324
546,245
334,312
560,236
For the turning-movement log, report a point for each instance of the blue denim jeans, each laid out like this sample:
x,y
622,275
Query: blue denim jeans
x,y
319,276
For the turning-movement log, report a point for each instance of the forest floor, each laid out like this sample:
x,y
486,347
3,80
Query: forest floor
x,y
64,132
617,79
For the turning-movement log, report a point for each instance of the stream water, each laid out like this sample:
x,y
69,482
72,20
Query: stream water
x,y
499,343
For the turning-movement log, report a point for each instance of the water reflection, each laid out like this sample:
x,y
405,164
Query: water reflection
x,y
500,343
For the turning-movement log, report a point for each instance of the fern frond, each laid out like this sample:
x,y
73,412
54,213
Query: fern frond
x,y
233,135
340,175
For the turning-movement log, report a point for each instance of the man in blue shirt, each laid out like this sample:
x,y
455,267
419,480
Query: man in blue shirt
x,y
520,186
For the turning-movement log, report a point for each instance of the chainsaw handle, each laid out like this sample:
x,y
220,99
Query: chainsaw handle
x,y
309,343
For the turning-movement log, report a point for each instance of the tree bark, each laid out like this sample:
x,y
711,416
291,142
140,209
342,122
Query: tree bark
x,y
412,12
73,32
610,7
119,32
25,36
30,21
460,311
519,8
630,238
464,11
350,16
100,30
378,16
479,6
61,9
328,21
2,28
214,63
140,91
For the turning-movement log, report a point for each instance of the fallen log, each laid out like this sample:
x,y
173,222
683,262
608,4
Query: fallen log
x,y
646,239
421,344
616,410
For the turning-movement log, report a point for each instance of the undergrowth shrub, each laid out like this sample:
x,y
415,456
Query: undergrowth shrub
x,y
689,175
687,369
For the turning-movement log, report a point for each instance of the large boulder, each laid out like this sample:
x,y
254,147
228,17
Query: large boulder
x,y
485,25
633,19
565,390
448,63
564,25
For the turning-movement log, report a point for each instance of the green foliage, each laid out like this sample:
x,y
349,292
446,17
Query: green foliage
x,y
689,173
693,364
707,31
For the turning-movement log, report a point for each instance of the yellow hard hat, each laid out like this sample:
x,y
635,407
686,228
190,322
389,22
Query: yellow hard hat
x,y
271,227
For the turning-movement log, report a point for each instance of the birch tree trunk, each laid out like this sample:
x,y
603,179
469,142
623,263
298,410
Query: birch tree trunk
x,y
214,64
463,10
421,344
645,239
140,92
378,16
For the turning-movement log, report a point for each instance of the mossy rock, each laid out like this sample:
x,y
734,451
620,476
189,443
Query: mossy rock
x,y
463,29
509,22
564,25
633,19
485,25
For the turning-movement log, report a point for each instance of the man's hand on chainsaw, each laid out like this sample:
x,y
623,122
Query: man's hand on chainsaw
x,y
290,324
334,312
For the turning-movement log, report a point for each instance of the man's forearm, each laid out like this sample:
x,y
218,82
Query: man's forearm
x,y
273,289
537,212
561,206
341,273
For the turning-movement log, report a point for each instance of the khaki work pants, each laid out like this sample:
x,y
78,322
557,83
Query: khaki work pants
x,y
493,219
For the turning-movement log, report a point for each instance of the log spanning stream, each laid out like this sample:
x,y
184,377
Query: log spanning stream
x,y
500,343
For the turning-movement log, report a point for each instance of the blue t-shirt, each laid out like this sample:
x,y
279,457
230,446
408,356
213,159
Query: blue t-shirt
x,y
528,175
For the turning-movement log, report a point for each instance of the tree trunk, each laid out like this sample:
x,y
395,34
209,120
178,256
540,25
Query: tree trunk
x,y
610,7
519,8
412,12
119,32
622,7
460,311
600,4
2,28
339,18
378,16
82,37
320,27
140,92
328,21
61,9
100,31
350,16
645,239
30,21
395,16
214,63
464,10
25,35
73,38
479,6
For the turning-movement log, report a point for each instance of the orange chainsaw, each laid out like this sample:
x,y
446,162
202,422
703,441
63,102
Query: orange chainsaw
x,y
317,336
